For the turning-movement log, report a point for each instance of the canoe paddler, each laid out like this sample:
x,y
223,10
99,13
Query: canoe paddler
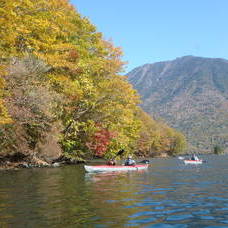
x,y
130,161
111,162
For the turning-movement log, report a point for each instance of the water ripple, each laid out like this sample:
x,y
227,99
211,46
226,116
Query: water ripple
x,y
168,195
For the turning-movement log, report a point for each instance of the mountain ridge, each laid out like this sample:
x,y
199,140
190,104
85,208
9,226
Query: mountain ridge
x,y
191,94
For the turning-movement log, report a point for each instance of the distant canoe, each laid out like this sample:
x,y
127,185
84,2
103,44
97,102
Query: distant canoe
x,y
113,168
196,162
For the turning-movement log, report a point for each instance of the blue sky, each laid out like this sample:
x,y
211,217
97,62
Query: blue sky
x,y
158,30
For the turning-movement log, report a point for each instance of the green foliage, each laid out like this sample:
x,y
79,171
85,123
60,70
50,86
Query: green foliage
x,y
178,144
156,137
218,149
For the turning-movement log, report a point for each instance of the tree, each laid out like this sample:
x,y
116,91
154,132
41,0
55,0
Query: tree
x,y
218,149
156,137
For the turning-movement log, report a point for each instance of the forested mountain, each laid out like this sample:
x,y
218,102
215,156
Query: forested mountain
x,y
61,89
190,94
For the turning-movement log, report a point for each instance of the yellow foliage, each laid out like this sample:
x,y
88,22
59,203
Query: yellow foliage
x,y
82,68
4,117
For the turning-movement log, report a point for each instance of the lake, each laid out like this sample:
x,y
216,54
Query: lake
x,y
168,194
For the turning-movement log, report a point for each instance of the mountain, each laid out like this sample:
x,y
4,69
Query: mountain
x,y
190,94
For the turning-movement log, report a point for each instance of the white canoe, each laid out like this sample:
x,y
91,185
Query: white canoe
x,y
196,162
113,168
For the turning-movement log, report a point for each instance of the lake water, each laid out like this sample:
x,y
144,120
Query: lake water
x,y
168,194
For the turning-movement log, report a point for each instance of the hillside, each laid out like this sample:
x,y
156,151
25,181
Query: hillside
x,y
62,95
190,94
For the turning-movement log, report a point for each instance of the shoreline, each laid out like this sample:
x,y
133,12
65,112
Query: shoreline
x,y
20,162
15,163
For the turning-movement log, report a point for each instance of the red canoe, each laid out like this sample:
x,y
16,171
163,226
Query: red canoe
x,y
113,168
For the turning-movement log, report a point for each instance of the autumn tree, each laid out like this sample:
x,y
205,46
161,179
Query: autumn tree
x,y
57,70
156,138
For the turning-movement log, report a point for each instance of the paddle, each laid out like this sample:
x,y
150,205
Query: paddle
x,y
119,153
122,151
112,161
144,162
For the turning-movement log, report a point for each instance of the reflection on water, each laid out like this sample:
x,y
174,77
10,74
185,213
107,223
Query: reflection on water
x,y
168,194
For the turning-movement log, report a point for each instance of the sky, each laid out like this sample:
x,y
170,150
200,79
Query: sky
x,y
151,31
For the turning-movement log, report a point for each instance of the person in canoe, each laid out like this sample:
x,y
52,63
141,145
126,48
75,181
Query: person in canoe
x,y
130,161
194,158
111,162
